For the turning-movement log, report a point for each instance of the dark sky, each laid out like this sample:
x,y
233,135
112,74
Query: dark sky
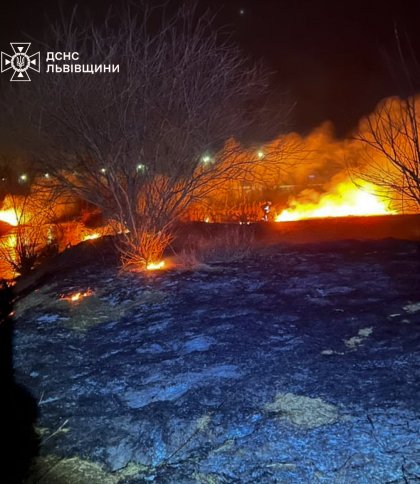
x,y
329,56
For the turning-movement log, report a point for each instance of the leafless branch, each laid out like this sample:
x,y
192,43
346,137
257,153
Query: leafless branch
x,y
143,144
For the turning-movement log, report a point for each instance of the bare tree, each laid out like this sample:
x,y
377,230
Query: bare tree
x,y
392,160
144,143
391,134
35,235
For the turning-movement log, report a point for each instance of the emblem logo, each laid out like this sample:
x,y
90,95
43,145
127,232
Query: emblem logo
x,y
20,62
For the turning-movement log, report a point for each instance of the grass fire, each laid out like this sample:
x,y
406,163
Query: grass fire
x,y
209,243
153,266
77,296
9,216
344,200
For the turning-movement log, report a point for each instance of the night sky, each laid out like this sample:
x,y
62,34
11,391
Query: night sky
x,y
329,57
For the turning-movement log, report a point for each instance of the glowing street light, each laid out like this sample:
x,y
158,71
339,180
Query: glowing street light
x,y
260,154
103,170
140,167
206,159
23,178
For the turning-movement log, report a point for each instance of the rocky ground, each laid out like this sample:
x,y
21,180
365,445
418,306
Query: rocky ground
x,y
297,364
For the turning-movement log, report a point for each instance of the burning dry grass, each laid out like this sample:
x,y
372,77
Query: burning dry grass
x,y
73,233
81,310
7,255
33,238
310,177
9,216
317,186
343,199
29,245
78,310
155,266
143,250
85,313
26,248
77,296
227,207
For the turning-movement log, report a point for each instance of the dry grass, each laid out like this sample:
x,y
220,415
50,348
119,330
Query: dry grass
x,y
41,298
55,470
226,210
303,411
230,245
85,313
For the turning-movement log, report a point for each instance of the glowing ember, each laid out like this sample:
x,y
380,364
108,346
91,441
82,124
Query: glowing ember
x,y
345,200
77,296
9,216
93,236
153,266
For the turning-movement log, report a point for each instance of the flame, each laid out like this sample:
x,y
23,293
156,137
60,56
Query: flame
x,y
344,200
77,296
14,210
10,216
9,242
153,266
7,255
93,236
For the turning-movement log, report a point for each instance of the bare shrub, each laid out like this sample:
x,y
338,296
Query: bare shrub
x,y
391,134
143,248
32,239
145,143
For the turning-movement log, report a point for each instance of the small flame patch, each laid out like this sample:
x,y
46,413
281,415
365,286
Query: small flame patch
x,y
77,296
153,266
93,236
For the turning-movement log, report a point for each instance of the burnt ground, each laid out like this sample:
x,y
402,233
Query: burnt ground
x,y
297,364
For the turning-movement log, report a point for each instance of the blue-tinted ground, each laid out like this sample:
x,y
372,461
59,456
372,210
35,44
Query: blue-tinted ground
x,y
298,364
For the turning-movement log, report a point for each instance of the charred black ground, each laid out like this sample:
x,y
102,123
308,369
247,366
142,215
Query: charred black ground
x,y
296,363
